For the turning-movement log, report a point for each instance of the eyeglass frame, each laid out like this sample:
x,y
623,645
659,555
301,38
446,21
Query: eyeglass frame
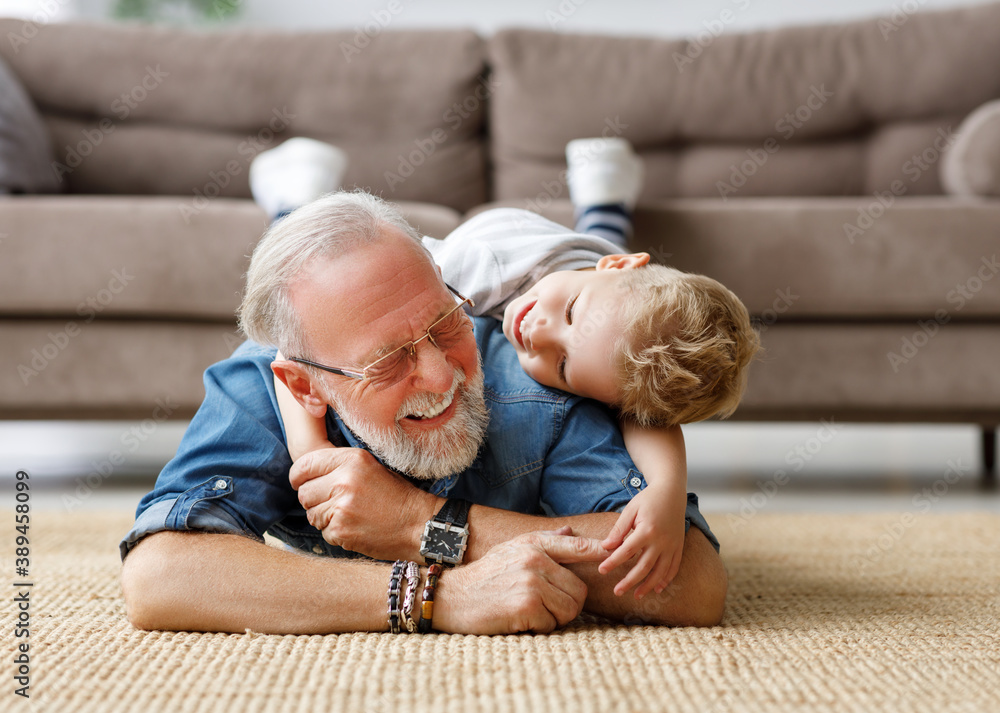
x,y
410,346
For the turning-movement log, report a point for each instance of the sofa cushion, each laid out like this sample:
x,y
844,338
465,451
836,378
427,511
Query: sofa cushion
x,y
752,114
108,369
25,150
867,372
971,167
795,259
109,257
116,369
157,110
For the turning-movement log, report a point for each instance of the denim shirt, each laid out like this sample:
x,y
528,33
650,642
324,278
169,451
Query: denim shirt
x,y
545,452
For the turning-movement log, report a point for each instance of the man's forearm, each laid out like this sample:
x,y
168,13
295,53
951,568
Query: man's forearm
x,y
490,526
700,585
197,581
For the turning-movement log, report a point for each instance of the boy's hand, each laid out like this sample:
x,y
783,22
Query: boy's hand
x,y
652,525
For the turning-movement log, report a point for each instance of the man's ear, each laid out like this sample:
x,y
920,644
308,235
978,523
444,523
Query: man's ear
x,y
302,388
623,262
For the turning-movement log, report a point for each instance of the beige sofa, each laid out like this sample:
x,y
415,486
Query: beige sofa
x,y
801,167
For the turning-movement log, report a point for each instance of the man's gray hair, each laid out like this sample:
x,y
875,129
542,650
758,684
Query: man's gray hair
x,y
327,228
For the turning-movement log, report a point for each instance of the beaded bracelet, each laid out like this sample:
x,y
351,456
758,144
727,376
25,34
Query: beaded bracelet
x,y
427,605
412,575
394,582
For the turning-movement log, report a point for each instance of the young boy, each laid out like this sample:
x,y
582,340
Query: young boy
x,y
661,346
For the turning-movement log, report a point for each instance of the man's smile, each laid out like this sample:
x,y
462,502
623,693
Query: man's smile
x,y
430,410
437,413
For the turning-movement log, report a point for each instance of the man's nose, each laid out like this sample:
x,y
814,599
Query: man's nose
x,y
432,373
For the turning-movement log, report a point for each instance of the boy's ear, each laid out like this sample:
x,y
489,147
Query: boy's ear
x,y
297,381
623,262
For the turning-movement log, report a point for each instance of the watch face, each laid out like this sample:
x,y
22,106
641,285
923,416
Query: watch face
x,y
445,542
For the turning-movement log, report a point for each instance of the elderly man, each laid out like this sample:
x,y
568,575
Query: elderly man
x,y
410,385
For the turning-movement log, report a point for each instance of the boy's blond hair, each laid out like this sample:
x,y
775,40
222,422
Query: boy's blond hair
x,y
686,344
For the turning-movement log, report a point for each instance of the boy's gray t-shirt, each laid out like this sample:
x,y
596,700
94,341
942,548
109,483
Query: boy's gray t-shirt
x,y
500,253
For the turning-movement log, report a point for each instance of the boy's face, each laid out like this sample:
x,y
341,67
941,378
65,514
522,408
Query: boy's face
x,y
565,326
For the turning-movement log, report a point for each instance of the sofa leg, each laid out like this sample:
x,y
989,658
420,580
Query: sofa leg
x,y
989,441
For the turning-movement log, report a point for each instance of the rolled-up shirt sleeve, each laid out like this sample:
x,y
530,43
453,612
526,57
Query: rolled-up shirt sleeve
x,y
230,473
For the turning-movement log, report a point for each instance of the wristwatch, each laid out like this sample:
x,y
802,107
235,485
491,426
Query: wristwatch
x,y
446,534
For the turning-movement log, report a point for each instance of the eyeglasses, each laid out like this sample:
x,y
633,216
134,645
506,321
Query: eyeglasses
x,y
395,366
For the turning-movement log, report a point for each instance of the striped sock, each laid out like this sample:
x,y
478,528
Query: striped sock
x,y
612,222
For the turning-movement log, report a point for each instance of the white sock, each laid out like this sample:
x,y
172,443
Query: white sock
x,y
295,173
603,172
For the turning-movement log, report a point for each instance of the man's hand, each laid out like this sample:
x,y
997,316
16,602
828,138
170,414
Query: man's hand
x,y
519,585
359,505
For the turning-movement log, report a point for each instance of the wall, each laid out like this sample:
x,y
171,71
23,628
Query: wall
x,y
667,18
670,18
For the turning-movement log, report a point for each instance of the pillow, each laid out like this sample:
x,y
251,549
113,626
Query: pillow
x,y
25,148
971,166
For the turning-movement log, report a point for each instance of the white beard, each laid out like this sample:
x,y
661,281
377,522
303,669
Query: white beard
x,y
433,454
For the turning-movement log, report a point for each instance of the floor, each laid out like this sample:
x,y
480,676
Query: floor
x,y
825,614
871,609
734,468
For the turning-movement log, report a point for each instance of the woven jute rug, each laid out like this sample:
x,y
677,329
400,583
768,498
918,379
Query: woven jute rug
x,y
897,611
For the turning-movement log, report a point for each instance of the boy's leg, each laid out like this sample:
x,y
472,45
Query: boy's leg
x,y
295,173
605,179
611,221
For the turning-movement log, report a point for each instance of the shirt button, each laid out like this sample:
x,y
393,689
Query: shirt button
x,y
635,482
318,549
220,484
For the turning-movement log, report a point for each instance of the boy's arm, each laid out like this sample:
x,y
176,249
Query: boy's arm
x,y
658,452
303,432
653,524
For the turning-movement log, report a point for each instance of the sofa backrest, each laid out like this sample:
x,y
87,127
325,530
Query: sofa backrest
x,y
829,110
845,109
137,109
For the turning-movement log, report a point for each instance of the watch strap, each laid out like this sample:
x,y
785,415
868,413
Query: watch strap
x,y
454,512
